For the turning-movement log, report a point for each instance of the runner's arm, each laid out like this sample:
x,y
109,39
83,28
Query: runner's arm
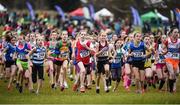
x,y
3,52
30,53
97,50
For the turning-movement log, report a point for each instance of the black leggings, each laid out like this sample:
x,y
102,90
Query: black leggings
x,y
100,66
37,69
8,64
116,74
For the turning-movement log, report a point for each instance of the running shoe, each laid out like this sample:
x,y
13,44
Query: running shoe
x,y
62,88
74,88
20,89
114,89
17,85
9,87
37,92
53,86
97,91
127,88
88,87
93,82
71,77
66,85
106,89
32,91
138,91
82,89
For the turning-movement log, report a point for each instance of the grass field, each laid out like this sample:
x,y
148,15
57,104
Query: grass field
x,y
49,96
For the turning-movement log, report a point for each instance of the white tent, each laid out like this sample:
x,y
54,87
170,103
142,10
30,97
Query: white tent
x,y
103,13
2,8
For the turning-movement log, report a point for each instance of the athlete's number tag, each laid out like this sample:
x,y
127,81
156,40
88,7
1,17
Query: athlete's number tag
x,y
175,55
64,54
84,53
138,54
117,60
41,55
105,53
21,56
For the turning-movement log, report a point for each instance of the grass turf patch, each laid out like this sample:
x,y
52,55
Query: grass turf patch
x,y
49,96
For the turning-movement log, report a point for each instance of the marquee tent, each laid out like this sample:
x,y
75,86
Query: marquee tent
x,y
103,13
2,8
77,12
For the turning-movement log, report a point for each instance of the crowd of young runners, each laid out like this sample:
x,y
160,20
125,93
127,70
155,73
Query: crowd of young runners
x,y
134,59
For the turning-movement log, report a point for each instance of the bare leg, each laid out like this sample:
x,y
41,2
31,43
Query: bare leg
x,y
82,75
137,78
13,71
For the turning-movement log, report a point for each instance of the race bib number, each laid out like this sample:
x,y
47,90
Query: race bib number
x,y
138,54
21,56
64,55
175,55
41,55
105,53
84,53
117,60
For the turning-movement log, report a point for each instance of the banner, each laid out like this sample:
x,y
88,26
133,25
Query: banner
x,y
172,15
136,17
86,13
31,11
91,9
60,11
177,13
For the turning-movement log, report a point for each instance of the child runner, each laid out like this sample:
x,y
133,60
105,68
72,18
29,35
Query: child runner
x,y
38,56
2,46
83,57
148,62
116,62
10,63
160,61
64,47
102,54
53,57
137,52
172,57
128,63
22,50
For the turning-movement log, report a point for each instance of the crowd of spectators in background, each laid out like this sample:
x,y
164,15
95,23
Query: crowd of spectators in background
x,y
44,23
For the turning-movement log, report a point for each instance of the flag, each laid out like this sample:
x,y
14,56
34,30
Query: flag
x,y
30,10
172,15
136,17
91,9
177,13
60,11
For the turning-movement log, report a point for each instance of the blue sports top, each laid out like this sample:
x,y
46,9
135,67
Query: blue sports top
x,y
21,52
117,61
138,51
10,51
39,56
